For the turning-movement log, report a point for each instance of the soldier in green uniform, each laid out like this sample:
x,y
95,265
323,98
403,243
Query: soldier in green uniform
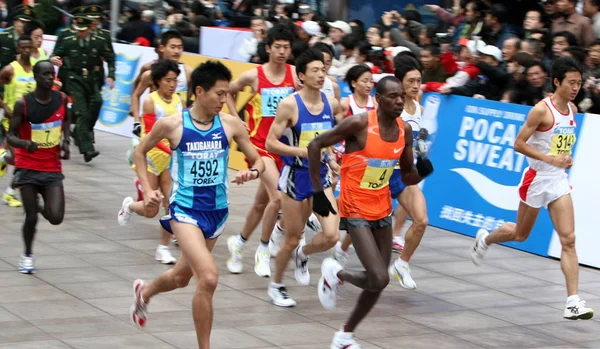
x,y
82,56
8,39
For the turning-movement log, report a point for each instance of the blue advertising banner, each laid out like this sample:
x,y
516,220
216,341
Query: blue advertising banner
x,y
477,171
116,102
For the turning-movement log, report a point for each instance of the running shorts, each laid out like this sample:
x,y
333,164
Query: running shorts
x,y
260,148
212,223
396,184
41,179
346,223
296,183
158,161
539,190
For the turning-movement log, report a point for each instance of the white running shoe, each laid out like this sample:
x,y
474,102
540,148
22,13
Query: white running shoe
x,y
578,312
139,309
478,250
340,255
234,263
280,296
275,241
402,274
328,283
27,264
262,262
313,224
164,256
344,340
301,273
124,213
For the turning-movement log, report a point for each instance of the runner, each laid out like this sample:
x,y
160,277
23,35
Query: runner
x,y
159,104
270,83
547,139
410,198
300,118
36,126
200,139
137,126
330,87
18,81
374,142
35,30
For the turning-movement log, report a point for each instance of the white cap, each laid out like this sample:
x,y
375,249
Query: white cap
x,y
341,25
148,13
475,46
493,51
311,28
393,51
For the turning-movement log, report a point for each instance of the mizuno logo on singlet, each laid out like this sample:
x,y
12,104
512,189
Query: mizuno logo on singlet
x,y
209,145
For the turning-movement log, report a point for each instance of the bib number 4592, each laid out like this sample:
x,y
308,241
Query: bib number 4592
x,y
209,168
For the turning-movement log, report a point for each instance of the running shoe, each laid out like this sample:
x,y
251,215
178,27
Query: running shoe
x,y
578,311
402,274
234,263
344,340
124,213
478,250
262,262
280,297
139,309
398,244
164,256
275,241
340,255
11,200
328,283
27,264
301,273
138,188
3,164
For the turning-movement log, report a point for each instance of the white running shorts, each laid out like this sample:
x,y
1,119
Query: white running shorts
x,y
539,190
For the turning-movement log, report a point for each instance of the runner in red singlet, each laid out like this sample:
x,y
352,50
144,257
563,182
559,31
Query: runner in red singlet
x,y
39,132
270,83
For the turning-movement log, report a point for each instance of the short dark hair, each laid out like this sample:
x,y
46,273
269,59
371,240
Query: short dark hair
x,y
279,32
306,58
38,65
161,68
563,65
34,25
169,35
433,49
571,39
325,48
349,42
405,64
355,73
207,74
382,84
24,38
577,53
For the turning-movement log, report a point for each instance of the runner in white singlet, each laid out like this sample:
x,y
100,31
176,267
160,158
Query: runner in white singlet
x,y
547,139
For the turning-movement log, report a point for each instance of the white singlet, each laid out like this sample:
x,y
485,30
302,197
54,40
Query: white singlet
x,y
328,88
413,119
543,183
354,108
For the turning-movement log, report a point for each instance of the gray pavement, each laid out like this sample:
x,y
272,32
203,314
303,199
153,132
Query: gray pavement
x,y
81,294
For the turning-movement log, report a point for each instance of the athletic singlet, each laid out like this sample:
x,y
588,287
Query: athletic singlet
x,y
354,108
161,109
306,129
199,167
262,107
42,57
365,175
328,89
43,124
557,140
21,84
182,83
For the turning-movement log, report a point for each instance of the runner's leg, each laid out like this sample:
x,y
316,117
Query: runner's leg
x,y
29,193
54,204
561,212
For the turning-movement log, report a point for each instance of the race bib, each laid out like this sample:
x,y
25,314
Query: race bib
x,y
204,169
47,135
563,141
377,174
311,131
271,97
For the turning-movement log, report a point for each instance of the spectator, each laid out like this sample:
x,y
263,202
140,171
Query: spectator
x,y
533,21
337,31
454,18
309,32
560,41
469,71
3,14
517,68
573,22
510,47
472,23
249,48
536,87
135,27
374,35
358,29
497,30
591,9
594,59
433,70
347,59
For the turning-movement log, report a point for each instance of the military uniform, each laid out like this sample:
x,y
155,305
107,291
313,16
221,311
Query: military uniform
x,y
8,38
83,60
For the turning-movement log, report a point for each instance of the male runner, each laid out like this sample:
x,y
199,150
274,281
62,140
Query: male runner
x,y
374,143
200,139
38,122
137,126
161,103
300,118
547,139
410,198
18,81
270,83
330,87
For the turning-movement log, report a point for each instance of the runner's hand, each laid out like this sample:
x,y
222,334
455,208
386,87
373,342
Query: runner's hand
x,y
137,128
153,198
65,150
321,204
244,176
424,167
562,161
31,146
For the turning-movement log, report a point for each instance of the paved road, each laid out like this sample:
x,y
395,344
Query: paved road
x,y
81,294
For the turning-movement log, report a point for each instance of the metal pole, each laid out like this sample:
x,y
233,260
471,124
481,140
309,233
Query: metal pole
x,y
115,6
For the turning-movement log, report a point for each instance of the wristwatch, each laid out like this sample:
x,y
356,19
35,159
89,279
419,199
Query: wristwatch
x,y
257,172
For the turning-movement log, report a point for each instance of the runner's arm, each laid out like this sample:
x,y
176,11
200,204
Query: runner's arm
x,y
236,86
535,118
66,121
138,79
336,91
283,120
137,93
410,175
13,138
243,141
6,75
348,127
162,129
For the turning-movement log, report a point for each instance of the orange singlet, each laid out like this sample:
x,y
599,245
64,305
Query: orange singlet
x,y
365,175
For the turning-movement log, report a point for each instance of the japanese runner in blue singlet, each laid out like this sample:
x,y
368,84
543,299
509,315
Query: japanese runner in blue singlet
x,y
294,179
199,175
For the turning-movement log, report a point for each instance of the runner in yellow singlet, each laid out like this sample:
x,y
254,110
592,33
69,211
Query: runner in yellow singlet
x,y
18,81
159,104
35,29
